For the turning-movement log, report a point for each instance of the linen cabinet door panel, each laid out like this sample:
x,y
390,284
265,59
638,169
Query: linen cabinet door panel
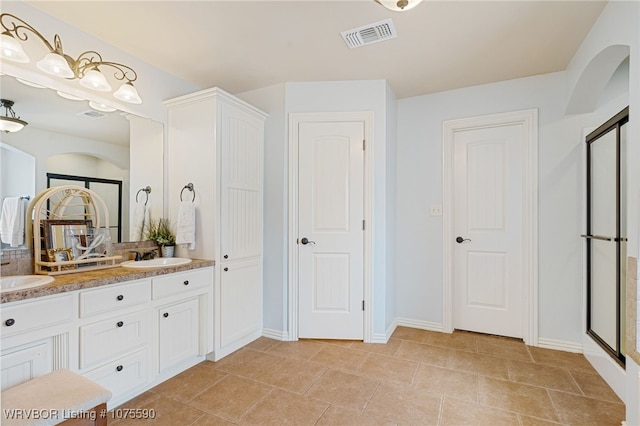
x,y
241,184
110,338
26,362
241,300
179,331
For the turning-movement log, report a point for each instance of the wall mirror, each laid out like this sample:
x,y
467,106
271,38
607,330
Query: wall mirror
x,y
71,137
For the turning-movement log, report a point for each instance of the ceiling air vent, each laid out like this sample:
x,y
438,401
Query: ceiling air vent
x,y
368,34
93,115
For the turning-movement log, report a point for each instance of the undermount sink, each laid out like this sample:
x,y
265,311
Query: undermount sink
x,y
156,263
21,282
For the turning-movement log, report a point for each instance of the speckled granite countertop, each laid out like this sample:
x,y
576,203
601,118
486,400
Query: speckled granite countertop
x,y
82,280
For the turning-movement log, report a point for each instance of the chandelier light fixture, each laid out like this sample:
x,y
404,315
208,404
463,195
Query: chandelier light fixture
x,y
9,122
86,67
398,5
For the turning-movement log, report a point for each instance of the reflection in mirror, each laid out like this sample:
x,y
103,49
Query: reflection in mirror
x,y
17,186
68,137
110,190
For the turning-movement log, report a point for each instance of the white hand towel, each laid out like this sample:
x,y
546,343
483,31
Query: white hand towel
x,y
186,228
138,229
146,224
12,221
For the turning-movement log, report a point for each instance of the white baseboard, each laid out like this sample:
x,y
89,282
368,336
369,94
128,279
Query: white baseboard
x,y
275,334
220,353
404,322
423,325
609,370
560,345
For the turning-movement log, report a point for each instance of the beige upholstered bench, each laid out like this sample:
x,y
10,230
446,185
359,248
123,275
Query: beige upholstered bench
x,y
60,397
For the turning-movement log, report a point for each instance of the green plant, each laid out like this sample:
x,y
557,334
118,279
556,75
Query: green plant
x,y
160,232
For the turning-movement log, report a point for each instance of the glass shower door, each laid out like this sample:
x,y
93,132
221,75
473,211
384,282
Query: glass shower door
x,y
606,240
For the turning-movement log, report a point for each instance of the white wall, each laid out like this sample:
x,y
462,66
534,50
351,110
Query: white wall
x,y
370,95
17,177
17,172
272,101
43,145
619,24
331,96
419,236
391,202
146,152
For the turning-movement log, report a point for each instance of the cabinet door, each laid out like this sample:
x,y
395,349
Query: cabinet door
x,y
178,327
241,145
25,363
240,304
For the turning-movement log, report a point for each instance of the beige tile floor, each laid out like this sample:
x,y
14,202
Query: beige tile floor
x,y
418,378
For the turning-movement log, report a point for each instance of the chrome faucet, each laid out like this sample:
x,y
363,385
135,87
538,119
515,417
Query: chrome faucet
x,y
144,256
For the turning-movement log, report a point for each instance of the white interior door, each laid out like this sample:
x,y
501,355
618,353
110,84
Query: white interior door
x,y
330,229
487,254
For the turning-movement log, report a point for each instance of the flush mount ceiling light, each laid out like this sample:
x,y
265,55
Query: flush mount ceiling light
x,y
9,122
399,5
85,68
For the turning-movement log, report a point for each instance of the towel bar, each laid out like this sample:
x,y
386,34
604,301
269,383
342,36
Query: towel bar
x,y
147,191
190,187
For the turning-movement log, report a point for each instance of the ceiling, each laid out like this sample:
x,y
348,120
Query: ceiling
x,y
242,45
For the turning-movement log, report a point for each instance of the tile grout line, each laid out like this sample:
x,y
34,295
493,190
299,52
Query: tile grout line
x,y
553,404
576,382
440,410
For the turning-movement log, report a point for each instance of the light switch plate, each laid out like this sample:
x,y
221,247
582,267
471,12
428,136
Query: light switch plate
x,y
435,210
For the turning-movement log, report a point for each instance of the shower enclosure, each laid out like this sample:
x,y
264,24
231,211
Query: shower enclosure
x,y
606,234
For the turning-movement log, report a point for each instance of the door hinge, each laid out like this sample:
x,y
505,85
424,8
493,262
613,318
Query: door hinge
x,y
364,144
363,305
364,227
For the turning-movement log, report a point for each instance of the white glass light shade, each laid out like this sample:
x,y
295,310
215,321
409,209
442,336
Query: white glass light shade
x,y
8,124
30,83
55,64
399,5
69,96
128,93
11,50
101,107
95,80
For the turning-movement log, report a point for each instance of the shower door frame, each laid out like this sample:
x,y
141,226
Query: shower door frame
x,y
615,122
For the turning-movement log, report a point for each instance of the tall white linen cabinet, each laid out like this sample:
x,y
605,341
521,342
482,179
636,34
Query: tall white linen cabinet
x,y
215,143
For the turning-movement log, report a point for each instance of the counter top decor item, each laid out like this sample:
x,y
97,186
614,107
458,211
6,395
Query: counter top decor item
x,y
68,235
160,231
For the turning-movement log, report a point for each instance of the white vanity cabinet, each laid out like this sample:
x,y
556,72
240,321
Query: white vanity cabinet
x,y
178,331
114,336
183,314
216,143
128,337
36,337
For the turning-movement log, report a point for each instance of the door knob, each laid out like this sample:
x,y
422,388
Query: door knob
x,y
304,241
461,240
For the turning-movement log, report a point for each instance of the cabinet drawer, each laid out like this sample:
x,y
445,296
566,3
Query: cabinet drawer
x,y
182,282
111,338
36,314
122,375
112,297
